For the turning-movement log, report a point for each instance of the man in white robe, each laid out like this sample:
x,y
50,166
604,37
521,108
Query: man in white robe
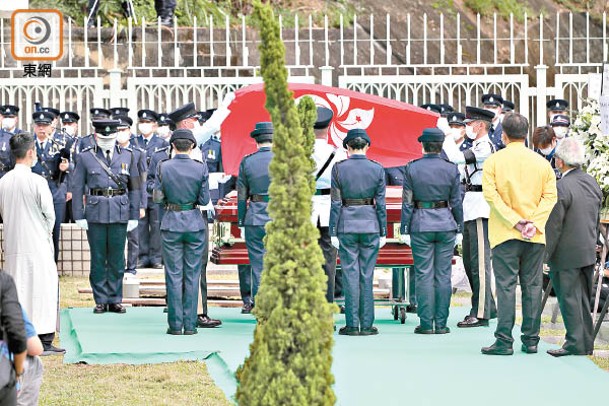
x,y
26,205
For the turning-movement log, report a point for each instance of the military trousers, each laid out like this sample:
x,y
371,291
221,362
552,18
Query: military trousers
x,y
60,210
254,241
107,244
573,289
398,290
358,253
245,283
183,253
203,278
471,260
432,253
515,260
133,246
325,243
149,228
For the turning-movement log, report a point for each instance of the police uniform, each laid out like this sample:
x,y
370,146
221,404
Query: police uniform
x,y
50,155
557,106
110,180
358,217
476,212
432,214
253,185
96,113
325,157
6,160
495,129
149,226
74,141
180,185
212,153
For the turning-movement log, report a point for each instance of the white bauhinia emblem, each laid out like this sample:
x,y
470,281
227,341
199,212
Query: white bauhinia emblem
x,y
557,104
344,119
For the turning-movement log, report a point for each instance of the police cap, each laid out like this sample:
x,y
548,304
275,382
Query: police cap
x,y
432,134
98,113
182,134
51,110
8,110
263,131
477,114
164,119
557,105
446,109
43,117
455,118
324,116
125,121
560,120
432,107
355,133
119,111
507,106
106,127
184,112
69,117
492,99
147,115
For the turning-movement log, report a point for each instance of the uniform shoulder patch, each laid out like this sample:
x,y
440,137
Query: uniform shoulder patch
x,y
90,147
162,149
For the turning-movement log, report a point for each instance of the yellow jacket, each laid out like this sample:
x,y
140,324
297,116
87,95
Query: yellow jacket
x,y
518,184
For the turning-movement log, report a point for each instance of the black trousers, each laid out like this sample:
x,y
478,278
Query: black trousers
x,y
573,289
245,283
60,210
325,243
515,260
107,242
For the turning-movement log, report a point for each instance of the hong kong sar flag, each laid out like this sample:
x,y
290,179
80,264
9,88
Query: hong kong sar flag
x,y
393,126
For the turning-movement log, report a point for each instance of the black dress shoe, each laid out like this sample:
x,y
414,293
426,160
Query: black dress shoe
x,y
247,308
204,321
116,308
471,321
369,331
174,332
442,330
190,332
411,309
561,352
100,308
348,331
529,349
156,266
52,348
421,330
142,264
496,350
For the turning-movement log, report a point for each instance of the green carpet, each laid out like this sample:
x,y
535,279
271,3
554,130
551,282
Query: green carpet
x,y
397,367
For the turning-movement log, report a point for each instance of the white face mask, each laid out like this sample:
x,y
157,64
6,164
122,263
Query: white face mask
x,y
106,144
455,133
145,128
71,131
470,133
561,132
8,123
443,124
123,136
164,132
546,151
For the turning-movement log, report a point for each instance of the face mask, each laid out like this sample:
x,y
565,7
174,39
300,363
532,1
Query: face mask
x,y
443,124
106,144
455,133
122,137
8,123
71,131
561,132
469,132
164,132
546,151
145,128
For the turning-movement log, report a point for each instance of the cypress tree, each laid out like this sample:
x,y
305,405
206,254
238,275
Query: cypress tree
x,y
290,359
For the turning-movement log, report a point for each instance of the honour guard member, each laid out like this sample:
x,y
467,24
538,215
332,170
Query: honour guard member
x,y
53,164
253,186
212,152
358,229
149,226
325,156
557,106
69,127
560,124
181,184
95,113
163,126
432,220
123,138
10,119
494,103
8,113
108,174
476,248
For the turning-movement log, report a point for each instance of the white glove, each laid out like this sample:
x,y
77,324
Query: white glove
x,y
382,242
242,229
405,239
132,225
82,224
458,239
335,242
211,212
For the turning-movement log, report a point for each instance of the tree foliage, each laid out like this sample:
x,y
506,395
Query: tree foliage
x,y
290,359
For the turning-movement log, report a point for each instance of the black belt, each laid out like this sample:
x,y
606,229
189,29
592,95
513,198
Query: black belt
x,y
431,205
179,207
322,192
358,202
259,198
473,188
107,192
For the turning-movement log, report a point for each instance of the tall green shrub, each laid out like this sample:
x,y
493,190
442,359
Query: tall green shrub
x,y
290,359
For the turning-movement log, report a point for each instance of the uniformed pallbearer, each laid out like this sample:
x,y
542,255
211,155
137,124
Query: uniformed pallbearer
x,y
253,186
432,215
358,226
109,174
181,184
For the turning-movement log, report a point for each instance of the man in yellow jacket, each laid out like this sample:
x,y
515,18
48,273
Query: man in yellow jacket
x,y
520,187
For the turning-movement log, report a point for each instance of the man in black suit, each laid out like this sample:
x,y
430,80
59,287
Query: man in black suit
x,y
571,233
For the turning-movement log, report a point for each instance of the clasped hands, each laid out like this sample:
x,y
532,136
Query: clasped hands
x,y
527,229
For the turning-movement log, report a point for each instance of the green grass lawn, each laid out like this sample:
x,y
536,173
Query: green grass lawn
x,y
176,383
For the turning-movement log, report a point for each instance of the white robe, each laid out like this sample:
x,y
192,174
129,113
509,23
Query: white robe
x,y
322,203
26,206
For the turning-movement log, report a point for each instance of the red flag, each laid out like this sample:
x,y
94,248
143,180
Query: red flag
x,y
393,126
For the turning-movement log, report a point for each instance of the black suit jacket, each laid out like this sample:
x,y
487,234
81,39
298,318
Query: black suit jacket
x,y
573,226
